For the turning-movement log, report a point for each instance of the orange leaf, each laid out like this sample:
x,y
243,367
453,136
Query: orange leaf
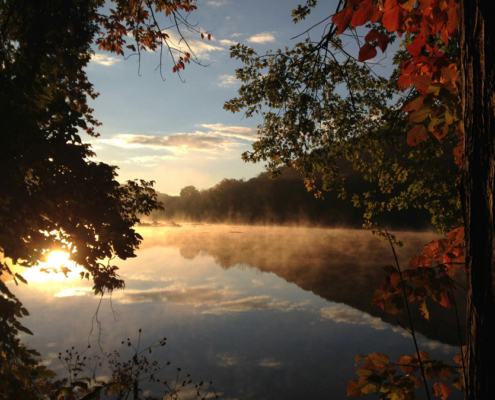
x,y
342,19
414,104
449,74
363,14
353,389
392,18
419,115
417,135
366,52
442,390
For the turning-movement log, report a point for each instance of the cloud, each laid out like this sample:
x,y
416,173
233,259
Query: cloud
x,y
176,293
226,360
201,48
236,34
178,143
270,363
239,132
148,161
248,304
105,59
216,3
218,137
227,81
343,313
212,299
264,37
227,42
82,291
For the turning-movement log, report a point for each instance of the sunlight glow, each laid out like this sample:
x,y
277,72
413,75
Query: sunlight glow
x,y
57,259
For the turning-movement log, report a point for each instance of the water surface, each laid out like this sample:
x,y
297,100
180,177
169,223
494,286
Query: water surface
x,y
265,313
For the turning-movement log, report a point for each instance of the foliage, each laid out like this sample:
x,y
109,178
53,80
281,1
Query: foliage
x,y
320,106
282,201
54,195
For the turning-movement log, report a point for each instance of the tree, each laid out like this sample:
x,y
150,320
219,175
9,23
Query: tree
x,y
53,195
312,125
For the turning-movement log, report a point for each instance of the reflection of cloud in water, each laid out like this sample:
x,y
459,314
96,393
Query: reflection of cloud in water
x,y
216,300
226,361
176,293
270,363
343,313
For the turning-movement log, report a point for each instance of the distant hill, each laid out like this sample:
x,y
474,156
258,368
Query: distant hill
x,y
281,201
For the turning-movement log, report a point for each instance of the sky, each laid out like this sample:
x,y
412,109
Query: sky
x,y
177,133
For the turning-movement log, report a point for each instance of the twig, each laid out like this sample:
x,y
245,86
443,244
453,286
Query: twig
x,y
409,316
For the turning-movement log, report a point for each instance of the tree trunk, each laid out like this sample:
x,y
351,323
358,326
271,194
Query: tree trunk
x,y
477,33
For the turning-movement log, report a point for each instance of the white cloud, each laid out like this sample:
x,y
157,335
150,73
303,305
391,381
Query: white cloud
x,y
82,291
239,132
178,143
105,59
216,3
201,48
148,161
227,42
264,37
227,81
236,34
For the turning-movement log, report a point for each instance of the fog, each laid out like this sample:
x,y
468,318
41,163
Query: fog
x,y
340,265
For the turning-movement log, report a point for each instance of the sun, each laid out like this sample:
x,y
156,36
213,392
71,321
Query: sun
x,y
57,259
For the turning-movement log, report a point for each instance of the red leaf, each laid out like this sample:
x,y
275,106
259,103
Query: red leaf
x,y
209,36
363,14
417,135
372,35
422,83
383,42
353,389
442,390
391,20
366,52
415,48
202,36
342,19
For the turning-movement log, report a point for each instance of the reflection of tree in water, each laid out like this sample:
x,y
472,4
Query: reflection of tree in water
x,y
336,264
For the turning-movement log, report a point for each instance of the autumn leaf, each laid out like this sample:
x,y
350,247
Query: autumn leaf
x,y
383,40
366,52
424,310
419,115
392,17
372,35
364,13
442,390
379,359
342,19
422,83
417,135
353,389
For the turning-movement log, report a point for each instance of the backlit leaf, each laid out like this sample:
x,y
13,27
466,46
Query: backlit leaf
x,y
442,390
417,135
366,52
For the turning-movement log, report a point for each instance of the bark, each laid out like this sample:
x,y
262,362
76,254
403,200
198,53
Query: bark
x,y
477,33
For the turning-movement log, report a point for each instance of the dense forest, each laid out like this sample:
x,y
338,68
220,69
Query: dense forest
x,y
281,201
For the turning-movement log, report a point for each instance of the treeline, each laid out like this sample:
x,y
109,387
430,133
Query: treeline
x,y
281,201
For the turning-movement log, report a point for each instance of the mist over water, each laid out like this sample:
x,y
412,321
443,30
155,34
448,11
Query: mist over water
x,y
264,312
